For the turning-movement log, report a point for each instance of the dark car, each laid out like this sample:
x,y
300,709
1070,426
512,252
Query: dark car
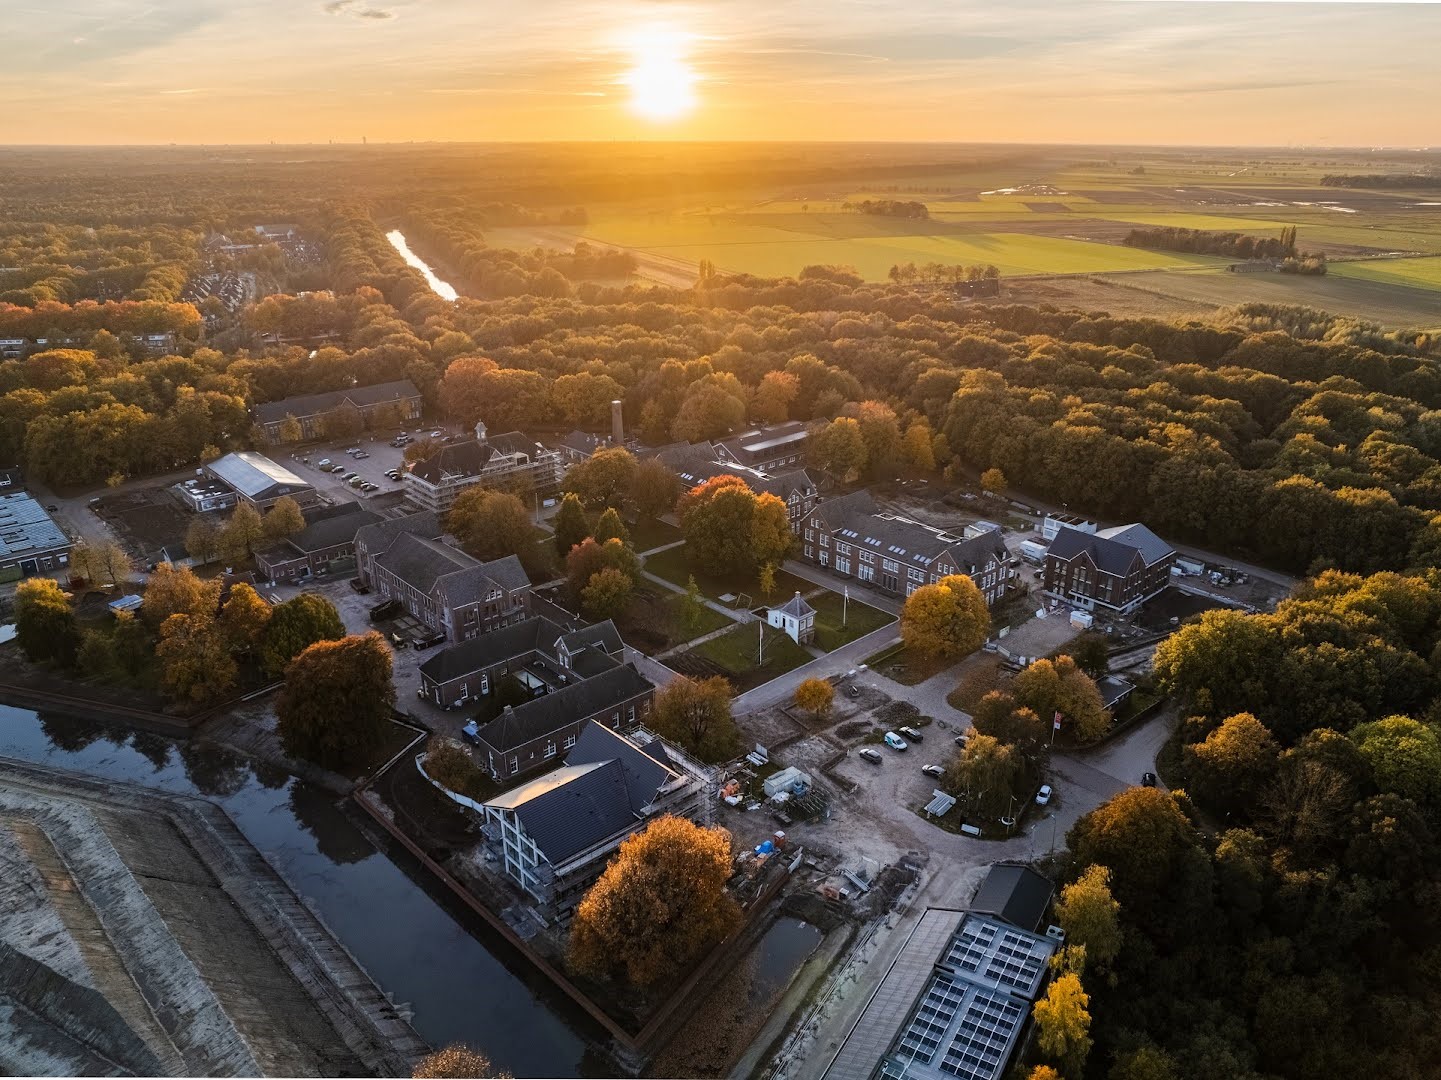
x,y
1148,779
912,734
873,756
51,508
387,609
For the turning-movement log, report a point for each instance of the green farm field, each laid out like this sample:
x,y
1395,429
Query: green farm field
x,y
1417,273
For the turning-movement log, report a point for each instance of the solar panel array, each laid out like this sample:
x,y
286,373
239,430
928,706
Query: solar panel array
x,y
973,1047
999,954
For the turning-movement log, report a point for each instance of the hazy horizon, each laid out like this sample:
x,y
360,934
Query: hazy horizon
x,y
1156,73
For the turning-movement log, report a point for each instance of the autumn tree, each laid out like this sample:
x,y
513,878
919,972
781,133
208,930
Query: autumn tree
x,y
696,714
570,524
604,478
462,388
1233,765
606,595
654,489
815,696
774,396
660,906
1404,756
196,665
839,449
104,562
1090,916
335,706
295,625
948,618
999,714
173,590
587,559
583,399
917,447
242,535
456,1062
1048,687
490,524
983,776
291,430
708,411
993,482
283,520
202,540
691,605
766,579
610,527
45,625
1063,1023
730,529
243,619
881,433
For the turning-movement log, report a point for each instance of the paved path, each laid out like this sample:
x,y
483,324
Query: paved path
x,y
836,662
863,593
738,614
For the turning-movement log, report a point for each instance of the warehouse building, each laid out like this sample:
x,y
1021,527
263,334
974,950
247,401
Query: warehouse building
x,y
30,543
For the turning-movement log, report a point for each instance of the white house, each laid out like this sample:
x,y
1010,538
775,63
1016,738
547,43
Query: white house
x,y
796,618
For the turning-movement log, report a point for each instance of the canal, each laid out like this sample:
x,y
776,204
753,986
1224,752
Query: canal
x,y
442,289
417,946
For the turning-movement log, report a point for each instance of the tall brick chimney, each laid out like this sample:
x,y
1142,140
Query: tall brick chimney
x,y
617,424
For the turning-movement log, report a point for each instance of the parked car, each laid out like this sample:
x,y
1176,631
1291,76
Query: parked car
x,y
912,734
360,454
471,731
869,754
961,740
1044,795
436,434
353,450
337,468
368,486
359,586
1148,779
394,474
894,741
386,609
51,508
933,770
323,463
355,481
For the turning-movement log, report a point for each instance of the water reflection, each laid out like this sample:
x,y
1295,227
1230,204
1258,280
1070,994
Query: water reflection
x,y
417,942
441,288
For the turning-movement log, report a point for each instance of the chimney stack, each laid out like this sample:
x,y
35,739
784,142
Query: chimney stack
x,y
617,424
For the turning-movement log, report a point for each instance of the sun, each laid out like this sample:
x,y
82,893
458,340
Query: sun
x,y
662,83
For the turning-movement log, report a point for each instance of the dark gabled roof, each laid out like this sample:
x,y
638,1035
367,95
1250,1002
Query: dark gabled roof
x,y
1113,689
465,657
513,442
907,542
1110,556
583,442
647,769
973,554
382,534
1152,548
535,719
468,583
603,635
332,530
572,808
1016,894
272,412
420,561
462,459
796,607
837,510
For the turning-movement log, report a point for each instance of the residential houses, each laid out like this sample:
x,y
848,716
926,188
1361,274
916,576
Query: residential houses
x,y
851,538
259,481
448,591
508,462
30,542
554,835
384,403
1118,568
326,543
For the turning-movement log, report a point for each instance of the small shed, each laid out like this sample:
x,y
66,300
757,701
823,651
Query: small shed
x,y
796,618
124,603
789,779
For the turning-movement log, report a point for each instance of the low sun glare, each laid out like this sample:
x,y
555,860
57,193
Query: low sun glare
x,y
661,81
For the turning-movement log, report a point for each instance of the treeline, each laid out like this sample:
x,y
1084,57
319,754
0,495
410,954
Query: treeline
x,y
1380,180
1232,245
49,262
50,319
889,208
1276,915
936,273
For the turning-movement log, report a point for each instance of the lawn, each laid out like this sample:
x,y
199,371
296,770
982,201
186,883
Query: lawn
x,y
653,624
861,619
673,566
736,652
1418,273
650,533
910,668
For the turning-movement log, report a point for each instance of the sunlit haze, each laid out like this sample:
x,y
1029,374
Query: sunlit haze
x,y
208,71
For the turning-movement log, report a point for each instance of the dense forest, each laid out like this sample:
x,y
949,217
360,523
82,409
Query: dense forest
x,y
1278,917
1403,181
899,208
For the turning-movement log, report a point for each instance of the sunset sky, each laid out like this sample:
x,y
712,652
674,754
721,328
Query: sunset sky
x,y
1136,71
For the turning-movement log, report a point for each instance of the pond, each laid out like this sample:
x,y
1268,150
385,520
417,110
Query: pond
x,y
416,942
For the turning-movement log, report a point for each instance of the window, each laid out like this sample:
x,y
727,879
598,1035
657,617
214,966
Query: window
x,y
843,549
569,741
615,719
550,748
484,683
514,766
890,566
810,552
843,565
825,557
916,574
630,714
825,540
867,558
867,573
810,535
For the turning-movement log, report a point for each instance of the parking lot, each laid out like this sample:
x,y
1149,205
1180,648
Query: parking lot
x,y
305,463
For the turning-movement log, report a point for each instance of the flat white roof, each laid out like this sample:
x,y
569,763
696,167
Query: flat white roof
x,y
251,474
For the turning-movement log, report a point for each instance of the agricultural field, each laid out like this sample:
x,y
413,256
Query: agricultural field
x,y
1418,273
